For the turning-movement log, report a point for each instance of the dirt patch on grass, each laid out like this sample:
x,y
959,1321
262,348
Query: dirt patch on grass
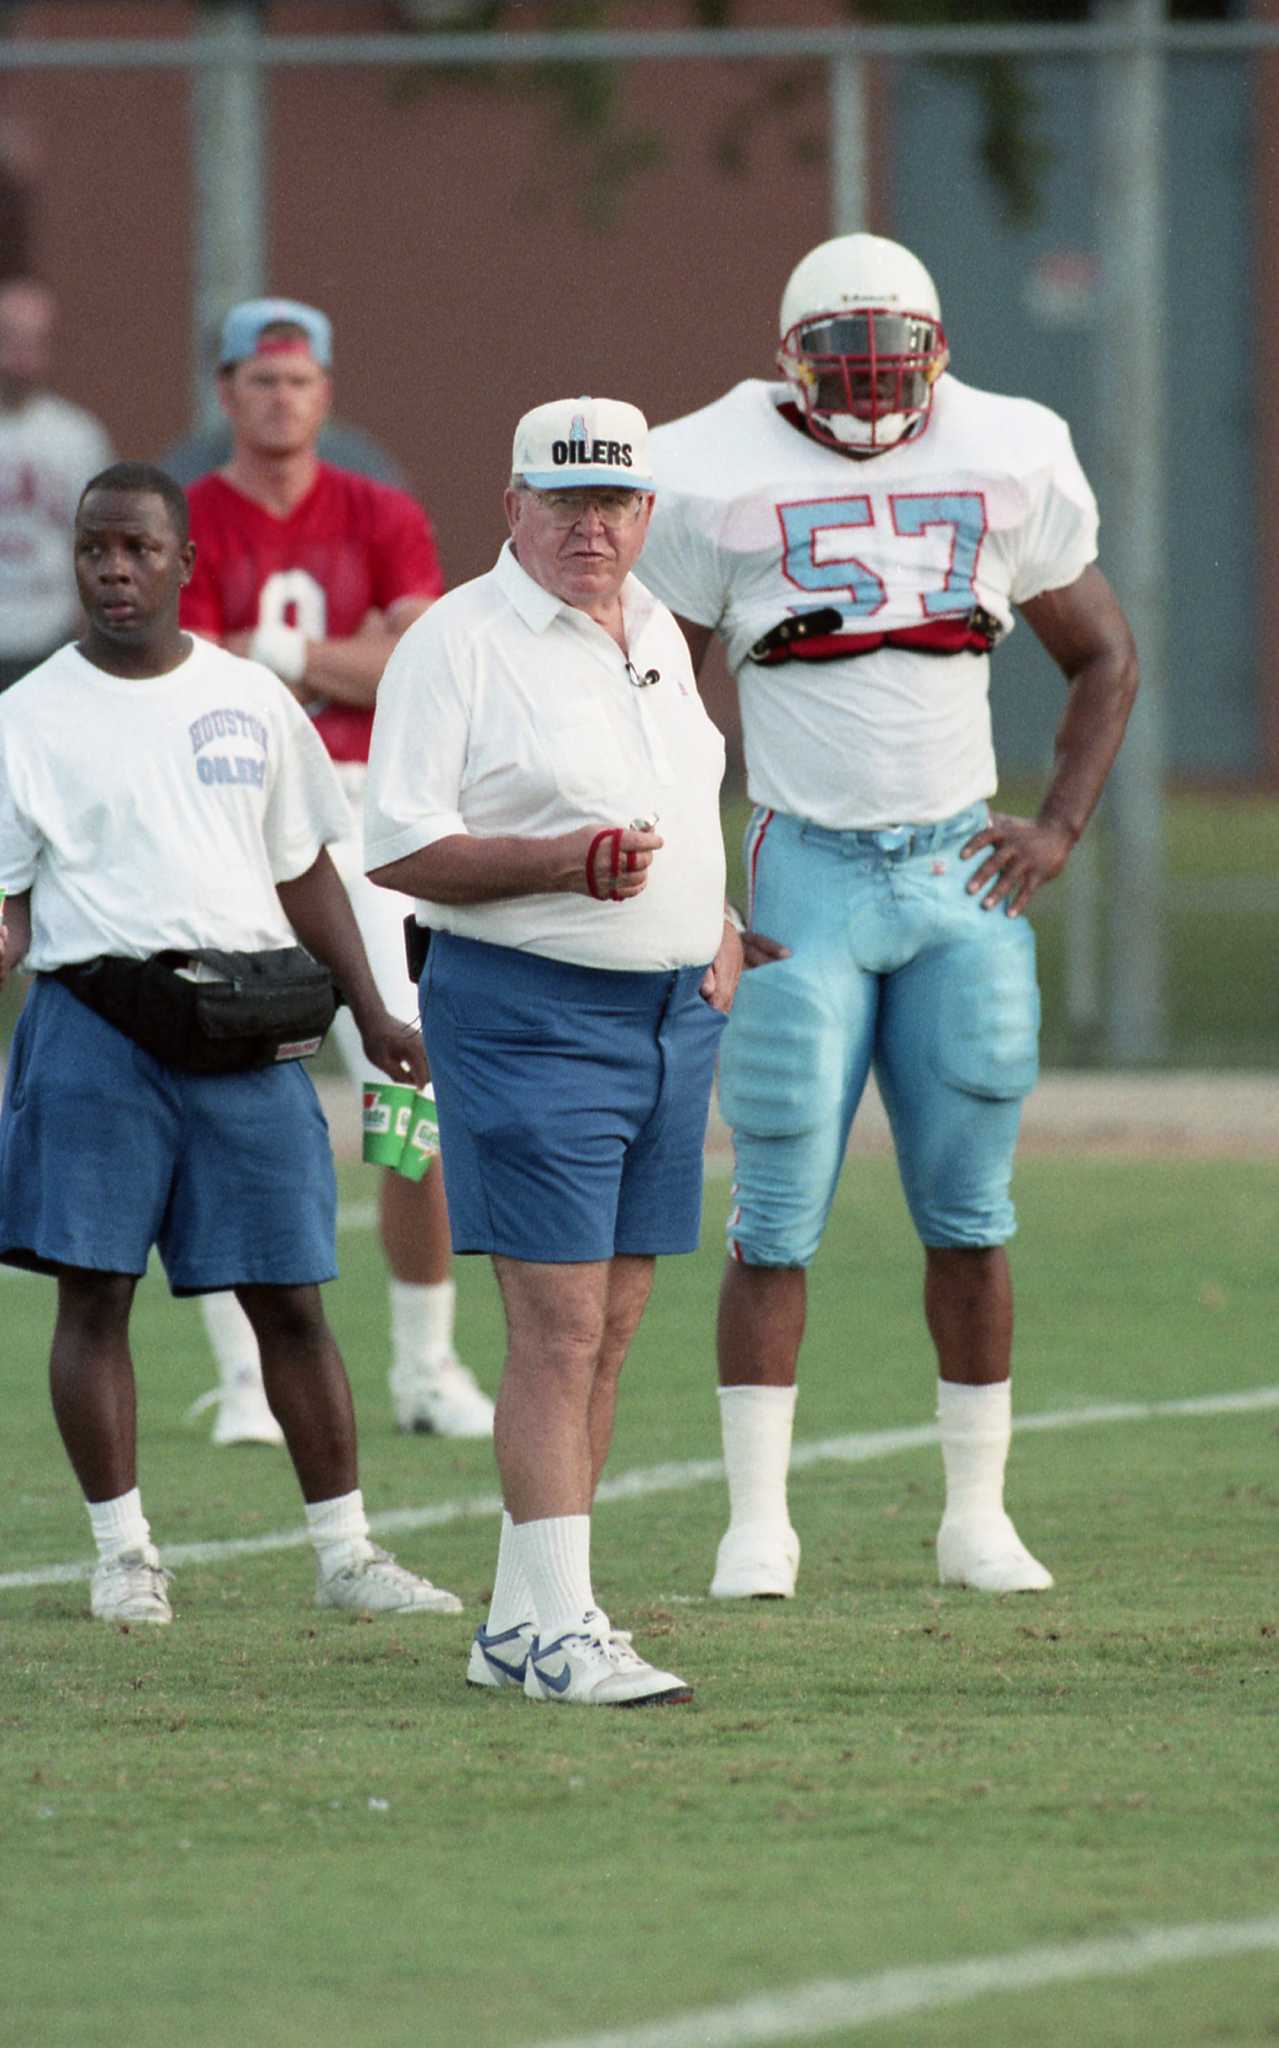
x,y
1137,1116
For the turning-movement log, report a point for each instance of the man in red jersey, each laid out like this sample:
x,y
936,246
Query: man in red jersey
x,y
316,572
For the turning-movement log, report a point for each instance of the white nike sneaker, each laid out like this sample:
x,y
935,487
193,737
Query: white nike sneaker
x,y
244,1415
598,1668
441,1398
131,1586
365,1580
986,1553
756,1561
500,1661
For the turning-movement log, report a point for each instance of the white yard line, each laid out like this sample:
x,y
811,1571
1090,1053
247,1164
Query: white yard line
x,y
676,1478
834,2005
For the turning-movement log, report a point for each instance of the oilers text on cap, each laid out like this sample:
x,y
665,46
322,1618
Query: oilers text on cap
x,y
242,329
583,443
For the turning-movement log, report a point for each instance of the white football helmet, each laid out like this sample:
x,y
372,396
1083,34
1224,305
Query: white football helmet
x,y
862,342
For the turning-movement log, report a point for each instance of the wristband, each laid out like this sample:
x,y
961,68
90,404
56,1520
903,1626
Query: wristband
x,y
733,916
282,648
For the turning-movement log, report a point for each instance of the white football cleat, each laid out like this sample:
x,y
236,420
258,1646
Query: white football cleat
x,y
986,1553
440,1399
244,1414
596,1667
756,1561
131,1586
362,1579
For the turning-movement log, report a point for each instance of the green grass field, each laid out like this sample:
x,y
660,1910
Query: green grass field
x,y
270,1827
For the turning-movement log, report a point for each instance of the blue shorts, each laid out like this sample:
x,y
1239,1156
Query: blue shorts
x,y
573,1102
105,1152
893,965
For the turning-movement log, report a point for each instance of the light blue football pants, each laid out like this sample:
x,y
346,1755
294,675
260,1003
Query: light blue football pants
x,y
893,966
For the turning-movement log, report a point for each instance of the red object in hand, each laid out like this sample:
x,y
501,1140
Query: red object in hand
x,y
613,833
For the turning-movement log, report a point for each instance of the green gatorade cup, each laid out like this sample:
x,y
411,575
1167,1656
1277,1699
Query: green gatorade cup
x,y
423,1141
388,1108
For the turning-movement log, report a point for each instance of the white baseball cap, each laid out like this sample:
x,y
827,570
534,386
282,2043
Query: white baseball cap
x,y
583,443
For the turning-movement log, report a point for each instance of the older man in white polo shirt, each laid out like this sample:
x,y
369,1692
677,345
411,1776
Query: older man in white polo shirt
x,y
545,780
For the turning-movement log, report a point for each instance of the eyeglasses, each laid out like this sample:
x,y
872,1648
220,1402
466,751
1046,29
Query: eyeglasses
x,y
565,508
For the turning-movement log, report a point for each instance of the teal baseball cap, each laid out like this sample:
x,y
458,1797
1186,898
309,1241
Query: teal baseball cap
x,y
243,326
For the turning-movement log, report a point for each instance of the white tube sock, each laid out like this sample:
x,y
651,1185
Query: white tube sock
x,y
421,1322
976,1425
335,1525
119,1524
554,1555
756,1425
235,1348
512,1600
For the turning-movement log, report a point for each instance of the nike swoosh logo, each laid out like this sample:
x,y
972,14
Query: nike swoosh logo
x,y
515,1671
552,1684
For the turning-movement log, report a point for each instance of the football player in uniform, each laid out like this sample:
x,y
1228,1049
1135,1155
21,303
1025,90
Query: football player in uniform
x,y
860,535
316,572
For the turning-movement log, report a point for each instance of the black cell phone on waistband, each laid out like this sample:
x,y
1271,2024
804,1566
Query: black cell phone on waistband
x,y
417,941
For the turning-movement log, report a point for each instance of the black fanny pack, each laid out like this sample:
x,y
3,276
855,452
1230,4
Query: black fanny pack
x,y
210,1012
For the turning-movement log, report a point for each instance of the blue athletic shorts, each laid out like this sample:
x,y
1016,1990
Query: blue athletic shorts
x,y
105,1152
573,1102
893,965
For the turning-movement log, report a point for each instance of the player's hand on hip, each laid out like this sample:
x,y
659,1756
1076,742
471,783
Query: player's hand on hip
x,y
758,950
719,983
395,1048
612,861
1024,854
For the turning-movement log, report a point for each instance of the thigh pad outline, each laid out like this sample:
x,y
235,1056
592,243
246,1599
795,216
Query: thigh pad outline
x,y
780,1062
987,1018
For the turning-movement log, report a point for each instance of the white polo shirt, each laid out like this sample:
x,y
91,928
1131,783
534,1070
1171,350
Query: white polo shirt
x,y
505,710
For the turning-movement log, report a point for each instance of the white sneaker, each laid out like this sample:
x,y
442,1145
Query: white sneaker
x,y
131,1586
500,1661
244,1416
598,1668
365,1580
756,1561
986,1552
440,1399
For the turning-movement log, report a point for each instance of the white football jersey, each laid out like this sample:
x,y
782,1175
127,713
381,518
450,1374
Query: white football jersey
x,y
755,522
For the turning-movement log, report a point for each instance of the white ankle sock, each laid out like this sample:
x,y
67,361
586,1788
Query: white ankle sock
x,y
975,1424
421,1322
512,1600
554,1555
333,1525
118,1524
756,1424
235,1348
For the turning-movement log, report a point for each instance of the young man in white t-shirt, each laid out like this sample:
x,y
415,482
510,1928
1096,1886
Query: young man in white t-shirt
x,y
158,794
859,537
